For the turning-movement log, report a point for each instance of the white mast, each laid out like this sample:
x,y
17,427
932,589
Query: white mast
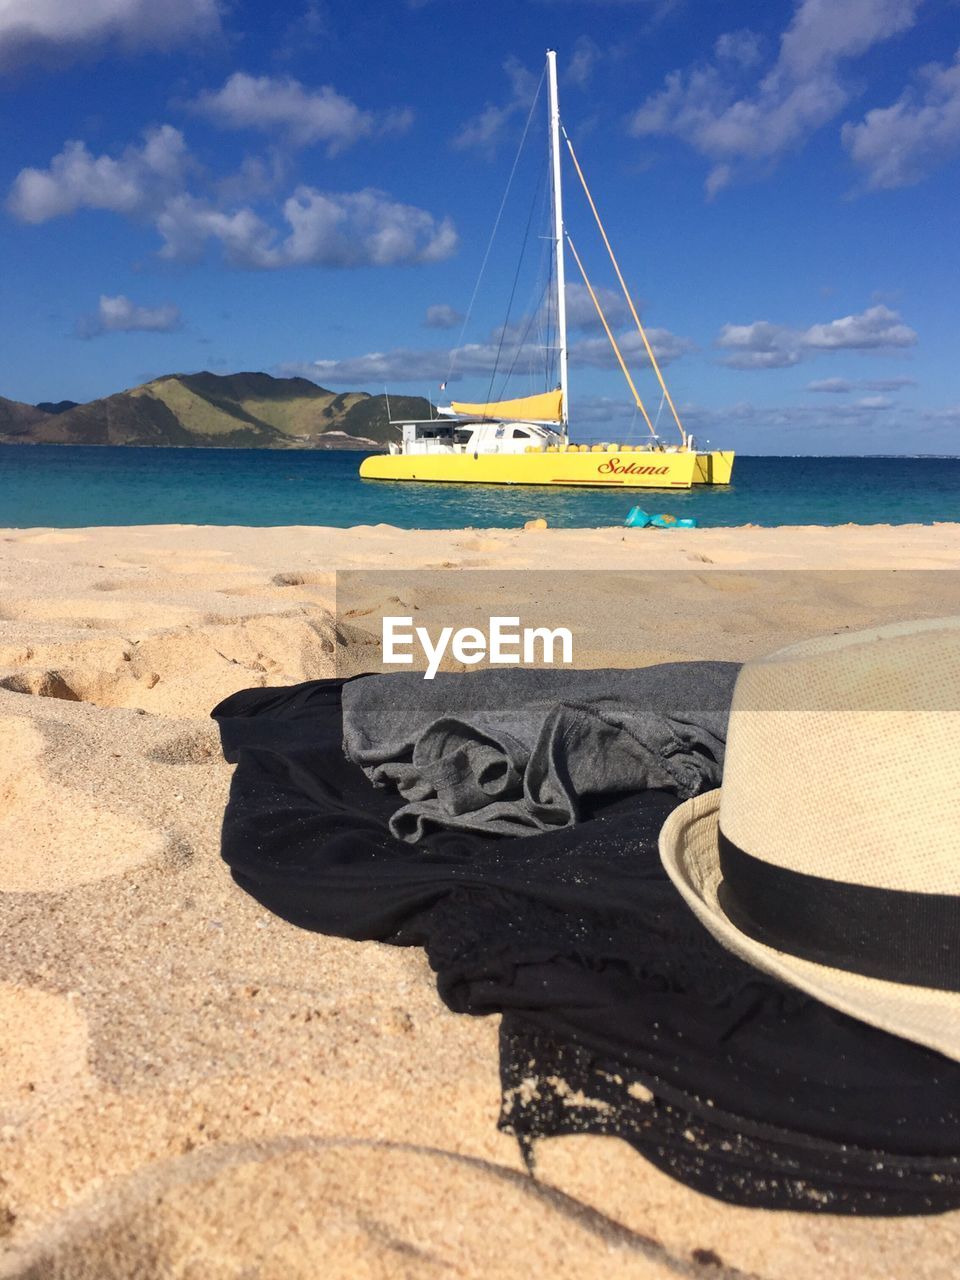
x,y
558,229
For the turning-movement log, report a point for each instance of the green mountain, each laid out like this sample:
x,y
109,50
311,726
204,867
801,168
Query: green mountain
x,y
241,409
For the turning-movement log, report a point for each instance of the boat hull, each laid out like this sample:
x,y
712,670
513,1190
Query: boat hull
x,y
715,467
610,470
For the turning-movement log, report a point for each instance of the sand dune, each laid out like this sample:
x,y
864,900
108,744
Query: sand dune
x,y
191,1087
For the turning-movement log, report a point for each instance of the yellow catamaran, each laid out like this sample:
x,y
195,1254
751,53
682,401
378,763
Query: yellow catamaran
x,y
526,441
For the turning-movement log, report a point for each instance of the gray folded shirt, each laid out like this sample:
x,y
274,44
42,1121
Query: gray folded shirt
x,y
513,752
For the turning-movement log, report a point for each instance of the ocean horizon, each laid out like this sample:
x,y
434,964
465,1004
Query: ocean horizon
x,y
72,486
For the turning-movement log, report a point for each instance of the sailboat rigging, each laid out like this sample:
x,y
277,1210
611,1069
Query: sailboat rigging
x,y
526,440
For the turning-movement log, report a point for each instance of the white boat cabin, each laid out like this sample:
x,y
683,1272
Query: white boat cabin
x,y
479,436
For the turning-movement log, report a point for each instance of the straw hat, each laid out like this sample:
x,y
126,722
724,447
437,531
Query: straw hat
x,y
831,856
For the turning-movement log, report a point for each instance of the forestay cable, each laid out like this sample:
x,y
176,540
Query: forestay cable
x,y
626,291
609,333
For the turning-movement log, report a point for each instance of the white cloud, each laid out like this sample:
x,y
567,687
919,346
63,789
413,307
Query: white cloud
x,y
346,229
119,315
824,31
598,354
407,364
134,183
256,177
832,386
763,345
736,125
760,345
841,386
187,223
582,312
303,116
486,131
442,316
762,359
874,328
32,30
888,384
875,402
744,48
583,61
361,228
900,145
149,184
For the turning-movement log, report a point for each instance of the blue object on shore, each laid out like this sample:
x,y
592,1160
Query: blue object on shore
x,y
637,518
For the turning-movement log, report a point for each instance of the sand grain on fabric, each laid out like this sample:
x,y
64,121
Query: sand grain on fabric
x,y
199,1089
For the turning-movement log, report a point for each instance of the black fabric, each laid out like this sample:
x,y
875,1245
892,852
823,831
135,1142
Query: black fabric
x,y
621,1014
881,933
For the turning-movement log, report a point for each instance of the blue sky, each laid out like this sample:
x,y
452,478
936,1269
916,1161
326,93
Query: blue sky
x,y
311,187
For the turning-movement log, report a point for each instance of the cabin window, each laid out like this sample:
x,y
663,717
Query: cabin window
x,y
521,435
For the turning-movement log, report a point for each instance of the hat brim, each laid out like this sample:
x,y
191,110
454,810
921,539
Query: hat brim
x,y
690,855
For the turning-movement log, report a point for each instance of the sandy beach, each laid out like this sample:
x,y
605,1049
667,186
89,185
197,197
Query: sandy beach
x,y
191,1087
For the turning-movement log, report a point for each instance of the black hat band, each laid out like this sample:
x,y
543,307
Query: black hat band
x,y
893,934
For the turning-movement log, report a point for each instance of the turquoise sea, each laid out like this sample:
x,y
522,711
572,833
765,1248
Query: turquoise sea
x,y
67,486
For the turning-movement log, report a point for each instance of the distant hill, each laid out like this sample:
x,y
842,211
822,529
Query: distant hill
x,y
247,410
61,406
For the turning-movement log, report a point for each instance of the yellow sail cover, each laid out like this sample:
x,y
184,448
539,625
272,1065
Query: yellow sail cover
x,y
546,407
